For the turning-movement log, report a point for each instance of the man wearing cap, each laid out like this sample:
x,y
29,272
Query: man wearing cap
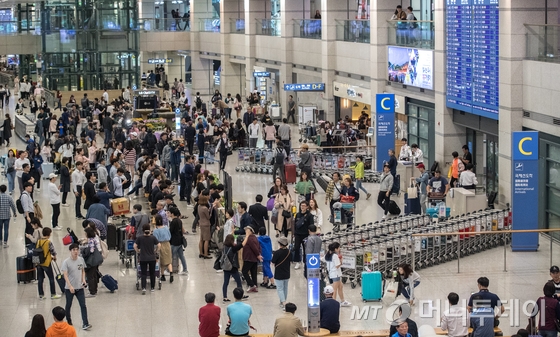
x,y
54,199
330,311
555,274
423,182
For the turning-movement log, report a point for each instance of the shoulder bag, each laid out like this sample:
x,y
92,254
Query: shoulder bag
x,y
94,258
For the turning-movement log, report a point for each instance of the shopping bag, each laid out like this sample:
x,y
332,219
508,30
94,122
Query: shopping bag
x,y
412,192
390,293
260,143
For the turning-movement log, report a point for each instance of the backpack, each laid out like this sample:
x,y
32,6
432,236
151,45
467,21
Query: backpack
x,y
19,205
198,101
279,158
38,256
111,186
235,132
414,25
225,262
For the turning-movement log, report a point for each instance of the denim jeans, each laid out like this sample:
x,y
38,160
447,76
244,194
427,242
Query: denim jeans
x,y
174,172
136,188
178,251
11,181
548,333
4,224
107,134
405,290
282,289
81,296
360,187
41,271
227,275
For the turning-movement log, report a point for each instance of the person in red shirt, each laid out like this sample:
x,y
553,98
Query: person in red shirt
x,y
209,317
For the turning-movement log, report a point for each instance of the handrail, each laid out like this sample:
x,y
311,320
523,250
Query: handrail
x,y
504,232
541,25
407,21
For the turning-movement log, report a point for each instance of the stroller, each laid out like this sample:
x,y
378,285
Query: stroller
x,y
139,275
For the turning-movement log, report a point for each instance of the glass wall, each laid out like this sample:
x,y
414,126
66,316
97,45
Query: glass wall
x,y
550,152
89,44
421,125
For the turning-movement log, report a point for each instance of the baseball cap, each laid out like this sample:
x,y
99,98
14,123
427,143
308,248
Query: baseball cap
x,y
421,166
554,269
52,175
328,290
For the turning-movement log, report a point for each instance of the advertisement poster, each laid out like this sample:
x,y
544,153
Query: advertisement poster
x,y
412,67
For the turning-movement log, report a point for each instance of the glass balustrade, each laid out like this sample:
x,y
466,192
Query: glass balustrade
x,y
270,27
543,43
353,31
307,29
417,34
237,26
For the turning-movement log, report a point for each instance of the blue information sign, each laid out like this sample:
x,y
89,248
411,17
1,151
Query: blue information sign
x,y
261,74
385,127
525,189
473,56
304,87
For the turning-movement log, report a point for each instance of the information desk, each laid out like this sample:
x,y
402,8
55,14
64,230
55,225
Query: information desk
x,y
462,201
24,126
406,170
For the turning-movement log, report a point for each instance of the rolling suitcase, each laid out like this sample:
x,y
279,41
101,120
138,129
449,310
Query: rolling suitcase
x,y
59,277
47,168
396,185
412,206
372,286
290,172
25,270
112,236
110,283
394,209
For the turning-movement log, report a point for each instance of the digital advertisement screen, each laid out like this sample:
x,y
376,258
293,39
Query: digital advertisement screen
x,y
412,67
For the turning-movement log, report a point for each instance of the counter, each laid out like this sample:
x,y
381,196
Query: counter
x,y
24,126
406,170
462,201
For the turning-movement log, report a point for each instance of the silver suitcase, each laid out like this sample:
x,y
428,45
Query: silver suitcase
x,y
48,168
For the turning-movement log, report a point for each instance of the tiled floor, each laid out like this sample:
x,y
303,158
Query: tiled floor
x,y
173,311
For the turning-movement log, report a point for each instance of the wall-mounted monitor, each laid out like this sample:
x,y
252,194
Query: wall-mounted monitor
x,y
410,66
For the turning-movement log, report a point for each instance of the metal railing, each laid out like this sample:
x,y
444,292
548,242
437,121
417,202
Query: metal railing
x,y
417,34
503,233
307,29
353,31
209,25
237,26
269,27
543,43
164,25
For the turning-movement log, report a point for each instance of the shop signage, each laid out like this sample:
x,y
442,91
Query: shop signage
x,y
160,61
385,127
146,92
525,189
304,87
313,263
261,74
352,92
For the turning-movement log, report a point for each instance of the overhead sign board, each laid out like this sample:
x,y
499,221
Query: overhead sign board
x,y
352,92
304,87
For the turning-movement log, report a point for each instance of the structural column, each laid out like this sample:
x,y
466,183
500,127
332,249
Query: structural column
x,y
201,67
254,10
230,76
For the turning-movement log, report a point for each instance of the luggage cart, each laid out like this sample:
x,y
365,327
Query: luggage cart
x,y
209,153
139,275
127,253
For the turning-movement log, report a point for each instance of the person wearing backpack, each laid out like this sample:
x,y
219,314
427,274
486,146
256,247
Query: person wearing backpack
x,y
229,262
49,255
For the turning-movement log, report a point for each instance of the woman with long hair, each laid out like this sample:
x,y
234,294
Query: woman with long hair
x,y
38,328
316,212
163,235
410,280
92,158
7,129
284,202
67,150
230,251
334,263
204,222
10,170
53,125
304,187
130,158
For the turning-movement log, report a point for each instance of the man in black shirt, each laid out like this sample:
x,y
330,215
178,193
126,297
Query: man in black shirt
x,y
144,247
555,274
467,156
190,135
258,211
330,311
488,299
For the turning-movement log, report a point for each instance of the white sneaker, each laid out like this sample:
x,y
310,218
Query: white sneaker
x,y
298,265
38,189
384,217
219,271
57,228
183,273
65,205
345,304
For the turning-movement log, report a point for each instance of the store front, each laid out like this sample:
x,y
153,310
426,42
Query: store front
x,y
483,143
266,83
351,101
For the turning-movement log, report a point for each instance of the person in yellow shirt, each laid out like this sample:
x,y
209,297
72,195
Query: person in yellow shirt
x,y
359,172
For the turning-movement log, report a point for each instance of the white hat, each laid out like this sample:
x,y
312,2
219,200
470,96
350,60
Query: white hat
x,y
52,175
134,134
328,290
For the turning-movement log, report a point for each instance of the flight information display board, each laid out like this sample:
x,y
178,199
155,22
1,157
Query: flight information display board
x,y
473,56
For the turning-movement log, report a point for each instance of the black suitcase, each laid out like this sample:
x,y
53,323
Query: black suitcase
x,y
111,236
59,277
322,183
394,209
121,237
412,206
396,185
25,271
